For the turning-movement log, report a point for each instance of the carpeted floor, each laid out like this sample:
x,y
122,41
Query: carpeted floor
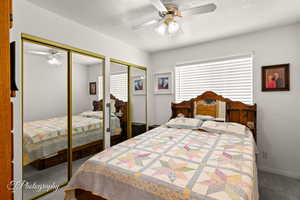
x,y
271,187
56,174
276,187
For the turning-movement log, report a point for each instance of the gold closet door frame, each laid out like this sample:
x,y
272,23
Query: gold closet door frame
x,y
129,114
70,51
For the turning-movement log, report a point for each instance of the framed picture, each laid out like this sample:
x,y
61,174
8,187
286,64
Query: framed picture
x,y
93,88
138,85
276,78
163,83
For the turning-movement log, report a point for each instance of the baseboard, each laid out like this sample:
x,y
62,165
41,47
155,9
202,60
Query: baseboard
x,y
280,172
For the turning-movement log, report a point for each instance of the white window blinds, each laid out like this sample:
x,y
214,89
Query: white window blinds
x,y
231,78
119,86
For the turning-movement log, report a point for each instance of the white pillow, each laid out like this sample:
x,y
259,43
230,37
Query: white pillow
x,y
187,123
93,114
225,127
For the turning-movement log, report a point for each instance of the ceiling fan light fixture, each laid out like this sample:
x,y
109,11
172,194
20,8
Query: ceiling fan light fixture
x,y
53,61
161,29
173,27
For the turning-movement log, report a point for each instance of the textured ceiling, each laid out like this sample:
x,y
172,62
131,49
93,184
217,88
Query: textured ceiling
x,y
232,17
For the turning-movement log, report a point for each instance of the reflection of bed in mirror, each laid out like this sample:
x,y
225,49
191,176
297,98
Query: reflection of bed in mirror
x,y
45,141
119,109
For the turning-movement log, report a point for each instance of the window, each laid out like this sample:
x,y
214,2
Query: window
x,y
231,78
118,86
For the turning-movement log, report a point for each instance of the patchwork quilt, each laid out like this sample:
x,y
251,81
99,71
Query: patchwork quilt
x,y
45,138
37,131
172,164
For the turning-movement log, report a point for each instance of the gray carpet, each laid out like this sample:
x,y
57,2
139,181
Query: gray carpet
x,y
271,187
56,174
276,187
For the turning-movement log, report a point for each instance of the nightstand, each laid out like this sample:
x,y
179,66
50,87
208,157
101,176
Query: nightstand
x,y
153,127
138,128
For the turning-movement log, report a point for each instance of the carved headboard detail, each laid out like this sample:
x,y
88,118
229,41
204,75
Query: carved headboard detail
x,y
236,111
119,105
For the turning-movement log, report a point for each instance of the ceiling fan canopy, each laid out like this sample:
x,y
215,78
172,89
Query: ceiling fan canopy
x,y
169,15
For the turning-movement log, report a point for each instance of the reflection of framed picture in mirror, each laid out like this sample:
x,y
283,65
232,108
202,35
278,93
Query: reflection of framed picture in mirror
x,y
276,78
93,88
138,84
163,83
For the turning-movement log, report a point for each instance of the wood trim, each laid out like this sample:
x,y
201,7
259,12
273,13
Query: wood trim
x,y
236,111
6,174
84,195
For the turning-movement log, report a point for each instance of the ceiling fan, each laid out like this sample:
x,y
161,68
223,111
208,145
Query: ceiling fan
x,y
52,55
170,13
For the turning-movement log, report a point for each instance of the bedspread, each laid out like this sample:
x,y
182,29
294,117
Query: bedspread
x,y
46,137
172,164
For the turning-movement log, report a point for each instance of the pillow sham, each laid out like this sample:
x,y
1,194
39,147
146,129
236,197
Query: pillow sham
x,y
187,123
204,117
225,127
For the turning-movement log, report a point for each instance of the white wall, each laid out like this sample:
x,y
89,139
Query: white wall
x,y
278,112
94,72
36,21
81,96
45,88
138,102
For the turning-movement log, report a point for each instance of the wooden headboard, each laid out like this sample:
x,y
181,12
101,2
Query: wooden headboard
x,y
119,105
236,111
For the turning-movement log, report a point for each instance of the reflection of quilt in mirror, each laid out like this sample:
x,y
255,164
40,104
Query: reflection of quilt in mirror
x,y
44,138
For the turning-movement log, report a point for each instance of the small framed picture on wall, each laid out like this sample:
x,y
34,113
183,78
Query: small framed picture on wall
x,y
93,88
276,78
138,84
163,83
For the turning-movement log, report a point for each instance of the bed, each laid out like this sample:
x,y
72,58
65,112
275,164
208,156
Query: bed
x,y
172,163
45,141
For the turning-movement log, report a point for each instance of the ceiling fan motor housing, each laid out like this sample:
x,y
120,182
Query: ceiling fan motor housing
x,y
172,12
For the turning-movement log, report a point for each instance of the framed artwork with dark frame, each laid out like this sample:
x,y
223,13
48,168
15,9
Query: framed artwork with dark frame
x,y
93,88
276,78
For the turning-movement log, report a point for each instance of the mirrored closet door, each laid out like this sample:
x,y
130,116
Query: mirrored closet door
x,y
118,102
87,108
138,100
70,114
45,122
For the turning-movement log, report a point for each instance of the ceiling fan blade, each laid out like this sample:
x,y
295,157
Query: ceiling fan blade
x,y
38,52
145,24
199,10
61,53
159,5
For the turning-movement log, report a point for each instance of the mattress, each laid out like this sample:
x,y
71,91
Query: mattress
x,y
170,164
45,138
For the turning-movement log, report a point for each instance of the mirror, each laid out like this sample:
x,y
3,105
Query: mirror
x,y
118,102
63,106
87,120
138,101
45,126
210,107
